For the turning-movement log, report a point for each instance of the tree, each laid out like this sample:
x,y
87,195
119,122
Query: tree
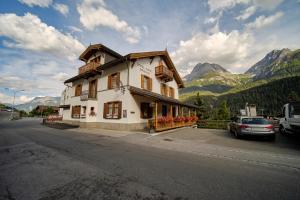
x,y
201,108
293,96
223,111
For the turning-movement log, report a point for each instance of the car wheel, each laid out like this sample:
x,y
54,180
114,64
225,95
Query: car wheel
x,y
236,134
272,137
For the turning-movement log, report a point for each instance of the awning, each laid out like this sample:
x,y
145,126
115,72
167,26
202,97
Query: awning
x,y
137,91
64,106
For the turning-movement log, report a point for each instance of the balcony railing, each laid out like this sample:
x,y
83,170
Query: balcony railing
x,y
164,73
88,67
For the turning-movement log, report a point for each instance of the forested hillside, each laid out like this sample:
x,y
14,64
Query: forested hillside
x,y
270,96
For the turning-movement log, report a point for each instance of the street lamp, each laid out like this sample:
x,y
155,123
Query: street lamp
x,y
13,105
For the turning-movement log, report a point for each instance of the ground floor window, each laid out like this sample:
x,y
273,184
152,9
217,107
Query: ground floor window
x,y
146,111
76,111
112,110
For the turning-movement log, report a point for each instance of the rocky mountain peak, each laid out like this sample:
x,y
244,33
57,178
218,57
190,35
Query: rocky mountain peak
x,y
203,68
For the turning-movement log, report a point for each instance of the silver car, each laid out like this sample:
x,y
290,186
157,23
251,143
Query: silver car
x,y
252,126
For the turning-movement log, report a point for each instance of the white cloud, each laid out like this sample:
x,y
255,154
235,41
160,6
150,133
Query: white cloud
x,y
61,76
62,8
216,5
263,21
29,32
227,49
5,98
93,13
245,14
41,3
74,29
25,98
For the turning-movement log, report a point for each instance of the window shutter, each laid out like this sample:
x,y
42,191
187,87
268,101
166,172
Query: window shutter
x,y
105,110
161,89
120,109
109,82
150,84
142,81
118,79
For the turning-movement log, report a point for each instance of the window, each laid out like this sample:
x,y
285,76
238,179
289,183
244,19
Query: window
x,y
171,92
112,110
96,60
146,111
75,111
93,89
146,82
78,89
113,80
164,89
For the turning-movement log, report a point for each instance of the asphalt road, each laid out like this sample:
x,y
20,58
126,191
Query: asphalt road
x,y
38,162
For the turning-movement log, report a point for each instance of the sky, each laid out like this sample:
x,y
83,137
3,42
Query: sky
x,y
41,40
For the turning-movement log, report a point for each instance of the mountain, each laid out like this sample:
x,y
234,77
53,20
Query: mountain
x,y
268,97
280,63
203,68
48,101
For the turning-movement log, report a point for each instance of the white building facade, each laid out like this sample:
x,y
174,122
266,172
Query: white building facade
x,y
132,92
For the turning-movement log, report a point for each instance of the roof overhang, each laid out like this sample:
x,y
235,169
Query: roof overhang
x,y
157,97
84,76
96,47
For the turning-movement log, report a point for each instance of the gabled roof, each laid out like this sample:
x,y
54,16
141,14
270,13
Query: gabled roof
x,y
120,59
95,47
165,56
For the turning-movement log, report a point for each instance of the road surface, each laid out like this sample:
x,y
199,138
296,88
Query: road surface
x,y
38,162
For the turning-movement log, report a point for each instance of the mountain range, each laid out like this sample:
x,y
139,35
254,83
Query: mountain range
x,y
48,101
213,79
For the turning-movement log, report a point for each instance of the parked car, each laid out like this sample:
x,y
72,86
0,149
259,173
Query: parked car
x,y
290,118
245,125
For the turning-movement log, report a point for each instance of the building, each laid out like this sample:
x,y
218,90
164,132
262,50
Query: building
x,y
43,108
128,92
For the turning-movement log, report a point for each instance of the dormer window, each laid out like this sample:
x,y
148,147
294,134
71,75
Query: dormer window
x,y
96,60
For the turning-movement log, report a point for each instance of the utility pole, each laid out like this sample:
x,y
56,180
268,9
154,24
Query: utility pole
x,y
13,105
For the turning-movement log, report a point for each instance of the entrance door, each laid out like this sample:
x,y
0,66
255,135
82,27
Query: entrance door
x,y
164,110
173,111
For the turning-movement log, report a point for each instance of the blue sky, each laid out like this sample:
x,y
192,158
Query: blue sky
x,y
40,40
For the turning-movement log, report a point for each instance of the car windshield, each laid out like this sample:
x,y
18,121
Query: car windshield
x,y
255,121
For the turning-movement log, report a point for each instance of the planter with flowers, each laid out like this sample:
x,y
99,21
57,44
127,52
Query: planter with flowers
x,y
165,121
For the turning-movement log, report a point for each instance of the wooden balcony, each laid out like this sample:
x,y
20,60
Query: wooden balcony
x,y
163,73
88,67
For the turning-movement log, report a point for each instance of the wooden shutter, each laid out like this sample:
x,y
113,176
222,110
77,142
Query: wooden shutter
x,y
105,110
118,79
161,89
120,109
142,81
150,84
109,82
